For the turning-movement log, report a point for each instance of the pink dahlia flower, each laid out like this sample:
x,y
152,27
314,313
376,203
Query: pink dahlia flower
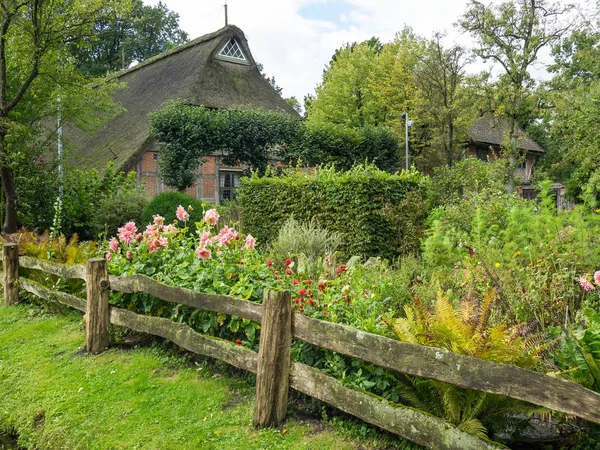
x,y
250,242
203,253
211,217
597,277
182,214
585,284
114,245
127,232
204,239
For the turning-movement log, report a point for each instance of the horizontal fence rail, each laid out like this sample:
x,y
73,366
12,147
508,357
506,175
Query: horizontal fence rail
x,y
208,302
422,361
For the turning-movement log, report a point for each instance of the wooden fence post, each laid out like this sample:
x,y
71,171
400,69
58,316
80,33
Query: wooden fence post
x,y
273,374
97,312
10,265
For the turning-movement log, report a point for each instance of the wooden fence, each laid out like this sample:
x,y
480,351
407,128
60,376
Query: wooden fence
x,y
276,372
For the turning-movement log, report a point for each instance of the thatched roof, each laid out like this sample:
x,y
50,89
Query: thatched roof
x,y
192,72
493,130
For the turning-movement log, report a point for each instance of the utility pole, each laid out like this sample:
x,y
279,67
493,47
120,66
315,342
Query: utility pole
x,y
226,21
408,124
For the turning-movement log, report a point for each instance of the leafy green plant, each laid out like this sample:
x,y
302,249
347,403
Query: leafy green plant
x,y
114,211
467,330
166,204
308,239
579,353
361,205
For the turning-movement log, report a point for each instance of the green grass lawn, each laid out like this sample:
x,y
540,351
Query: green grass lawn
x,y
54,396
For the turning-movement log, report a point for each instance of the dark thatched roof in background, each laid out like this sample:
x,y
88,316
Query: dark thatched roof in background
x,y
189,72
493,130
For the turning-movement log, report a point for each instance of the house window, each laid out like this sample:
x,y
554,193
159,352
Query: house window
x,y
483,154
229,182
232,50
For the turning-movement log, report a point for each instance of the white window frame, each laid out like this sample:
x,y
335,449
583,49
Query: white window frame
x,y
243,60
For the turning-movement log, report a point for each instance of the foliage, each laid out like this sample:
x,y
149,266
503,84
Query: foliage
x,y
466,178
308,239
125,206
117,40
363,205
255,137
532,254
39,81
371,84
165,205
84,191
189,133
319,144
579,353
467,330
58,249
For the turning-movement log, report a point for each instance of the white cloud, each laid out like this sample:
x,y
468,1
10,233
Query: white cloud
x,y
295,49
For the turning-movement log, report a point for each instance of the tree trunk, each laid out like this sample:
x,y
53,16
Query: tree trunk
x,y
10,194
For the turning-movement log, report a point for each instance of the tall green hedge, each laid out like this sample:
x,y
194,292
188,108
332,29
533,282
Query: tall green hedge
x,y
377,213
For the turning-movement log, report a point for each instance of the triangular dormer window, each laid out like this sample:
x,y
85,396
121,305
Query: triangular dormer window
x,y
232,51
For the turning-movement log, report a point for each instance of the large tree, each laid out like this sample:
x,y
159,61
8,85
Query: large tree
x,y
38,79
511,34
445,106
122,37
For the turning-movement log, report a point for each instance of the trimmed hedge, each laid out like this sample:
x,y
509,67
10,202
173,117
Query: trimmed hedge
x,y
377,213
166,204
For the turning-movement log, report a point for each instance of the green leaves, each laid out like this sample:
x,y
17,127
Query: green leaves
x,y
188,133
371,209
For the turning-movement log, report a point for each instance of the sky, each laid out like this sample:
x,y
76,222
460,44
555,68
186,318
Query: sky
x,y
294,39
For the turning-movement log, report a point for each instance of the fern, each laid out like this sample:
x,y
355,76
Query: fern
x,y
466,330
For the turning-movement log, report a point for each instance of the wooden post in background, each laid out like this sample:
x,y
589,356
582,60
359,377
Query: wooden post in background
x,y
10,265
273,374
97,312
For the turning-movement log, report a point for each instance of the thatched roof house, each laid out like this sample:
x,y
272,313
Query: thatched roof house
x,y
491,131
487,136
216,70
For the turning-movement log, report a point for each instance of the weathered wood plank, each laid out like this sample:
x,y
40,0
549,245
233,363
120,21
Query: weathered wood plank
x,y
187,338
10,266
52,296
411,424
61,270
459,370
207,302
273,375
97,313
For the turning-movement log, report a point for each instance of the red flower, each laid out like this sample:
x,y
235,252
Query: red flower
x,y
342,268
311,301
324,313
294,282
322,287
234,275
302,292
269,263
288,271
308,281
347,299
296,300
288,262
238,342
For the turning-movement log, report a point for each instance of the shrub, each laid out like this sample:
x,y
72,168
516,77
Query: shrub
x,y
308,239
166,204
364,205
531,253
113,212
